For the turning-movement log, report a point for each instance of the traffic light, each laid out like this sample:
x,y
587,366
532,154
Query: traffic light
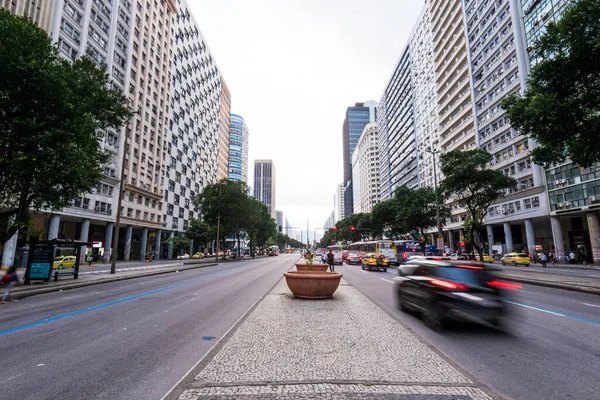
x,y
462,244
334,228
332,241
352,228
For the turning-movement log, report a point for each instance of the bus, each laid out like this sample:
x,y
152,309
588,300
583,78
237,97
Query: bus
x,y
273,251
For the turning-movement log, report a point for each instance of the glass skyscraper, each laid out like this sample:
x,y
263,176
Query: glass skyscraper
x,y
238,149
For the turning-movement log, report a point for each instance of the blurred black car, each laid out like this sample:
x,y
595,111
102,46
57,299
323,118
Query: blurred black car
x,y
444,292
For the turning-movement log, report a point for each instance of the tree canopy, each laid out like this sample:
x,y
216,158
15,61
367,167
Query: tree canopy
x,y
467,183
561,106
53,115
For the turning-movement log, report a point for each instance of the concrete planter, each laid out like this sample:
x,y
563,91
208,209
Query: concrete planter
x,y
313,284
313,267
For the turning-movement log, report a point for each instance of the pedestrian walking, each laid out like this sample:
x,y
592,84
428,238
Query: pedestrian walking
x,y
9,279
543,259
572,258
324,258
331,260
90,259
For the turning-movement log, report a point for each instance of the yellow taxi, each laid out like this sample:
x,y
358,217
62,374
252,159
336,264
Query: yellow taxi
x,y
488,258
61,262
516,258
374,261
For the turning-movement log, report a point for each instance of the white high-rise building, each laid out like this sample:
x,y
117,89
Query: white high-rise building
x,y
338,202
40,11
193,146
365,170
279,219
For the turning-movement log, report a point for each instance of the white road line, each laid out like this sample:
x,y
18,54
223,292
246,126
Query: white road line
x,y
383,279
535,308
594,275
591,305
364,272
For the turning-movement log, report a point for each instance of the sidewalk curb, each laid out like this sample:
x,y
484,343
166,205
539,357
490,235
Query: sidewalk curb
x,y
579,288
183,384
50,289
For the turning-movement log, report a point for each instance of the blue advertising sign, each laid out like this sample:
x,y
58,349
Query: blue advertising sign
x,y
41,263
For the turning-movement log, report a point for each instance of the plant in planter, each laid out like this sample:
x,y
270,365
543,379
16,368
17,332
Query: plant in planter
x,y
310,265
313,284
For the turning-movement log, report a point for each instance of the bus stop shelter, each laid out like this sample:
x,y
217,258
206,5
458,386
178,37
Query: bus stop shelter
x,y
40,262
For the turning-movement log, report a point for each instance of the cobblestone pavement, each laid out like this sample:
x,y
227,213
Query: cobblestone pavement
x,y
341,348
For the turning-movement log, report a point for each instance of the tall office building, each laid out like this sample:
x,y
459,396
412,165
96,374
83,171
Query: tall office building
x,y
264,184
40,11
425,98
238,149
224,126
397,140
365,170
454,102
279,219
338,203
499,68
354,123
195,127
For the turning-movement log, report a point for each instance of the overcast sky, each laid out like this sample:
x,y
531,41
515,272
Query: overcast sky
x,y
293,66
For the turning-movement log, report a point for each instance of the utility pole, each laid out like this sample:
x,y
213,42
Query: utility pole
x,y
437,203
218,226
113,262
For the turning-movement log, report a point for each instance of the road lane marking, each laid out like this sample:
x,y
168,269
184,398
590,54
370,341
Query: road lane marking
x,y
364,272
577,317
591,305
123,300
383,279
535,308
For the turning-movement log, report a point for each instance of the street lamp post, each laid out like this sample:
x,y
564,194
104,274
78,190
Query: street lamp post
x,y
113,262
437,203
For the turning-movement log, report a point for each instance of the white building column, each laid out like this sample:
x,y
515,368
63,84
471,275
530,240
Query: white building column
x,y
83,236
508,239
157,254
594,228
490,234
191,253
53,227
530,236
127,249
10,247
451,241
170,253
108,248
557,236
144,244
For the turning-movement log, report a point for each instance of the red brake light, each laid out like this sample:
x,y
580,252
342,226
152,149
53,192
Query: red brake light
x,y
470,266
448,285
505,285
436,258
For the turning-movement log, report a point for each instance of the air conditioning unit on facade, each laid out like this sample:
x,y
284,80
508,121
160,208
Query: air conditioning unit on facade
x,y
568,204
560,205
96,208
504,211
594,199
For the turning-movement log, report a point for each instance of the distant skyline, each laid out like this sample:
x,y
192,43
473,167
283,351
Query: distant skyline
x,y
293,67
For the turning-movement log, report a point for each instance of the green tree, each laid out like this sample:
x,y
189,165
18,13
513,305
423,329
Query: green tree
x,y
416,210
385,219
53,114
179,244
200,232
470,185
561,107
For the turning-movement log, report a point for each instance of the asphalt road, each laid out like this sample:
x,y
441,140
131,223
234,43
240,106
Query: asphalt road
x,y
131,339
592,273
549,349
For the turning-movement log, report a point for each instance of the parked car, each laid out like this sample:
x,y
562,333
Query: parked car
x,y
352,258
374,261
444,291
62,262
184,256
516,258
198,255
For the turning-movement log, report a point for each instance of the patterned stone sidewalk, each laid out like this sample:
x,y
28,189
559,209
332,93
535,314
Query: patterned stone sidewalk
x,y
342,348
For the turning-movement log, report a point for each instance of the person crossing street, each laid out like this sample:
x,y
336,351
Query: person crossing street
x,y
331,260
